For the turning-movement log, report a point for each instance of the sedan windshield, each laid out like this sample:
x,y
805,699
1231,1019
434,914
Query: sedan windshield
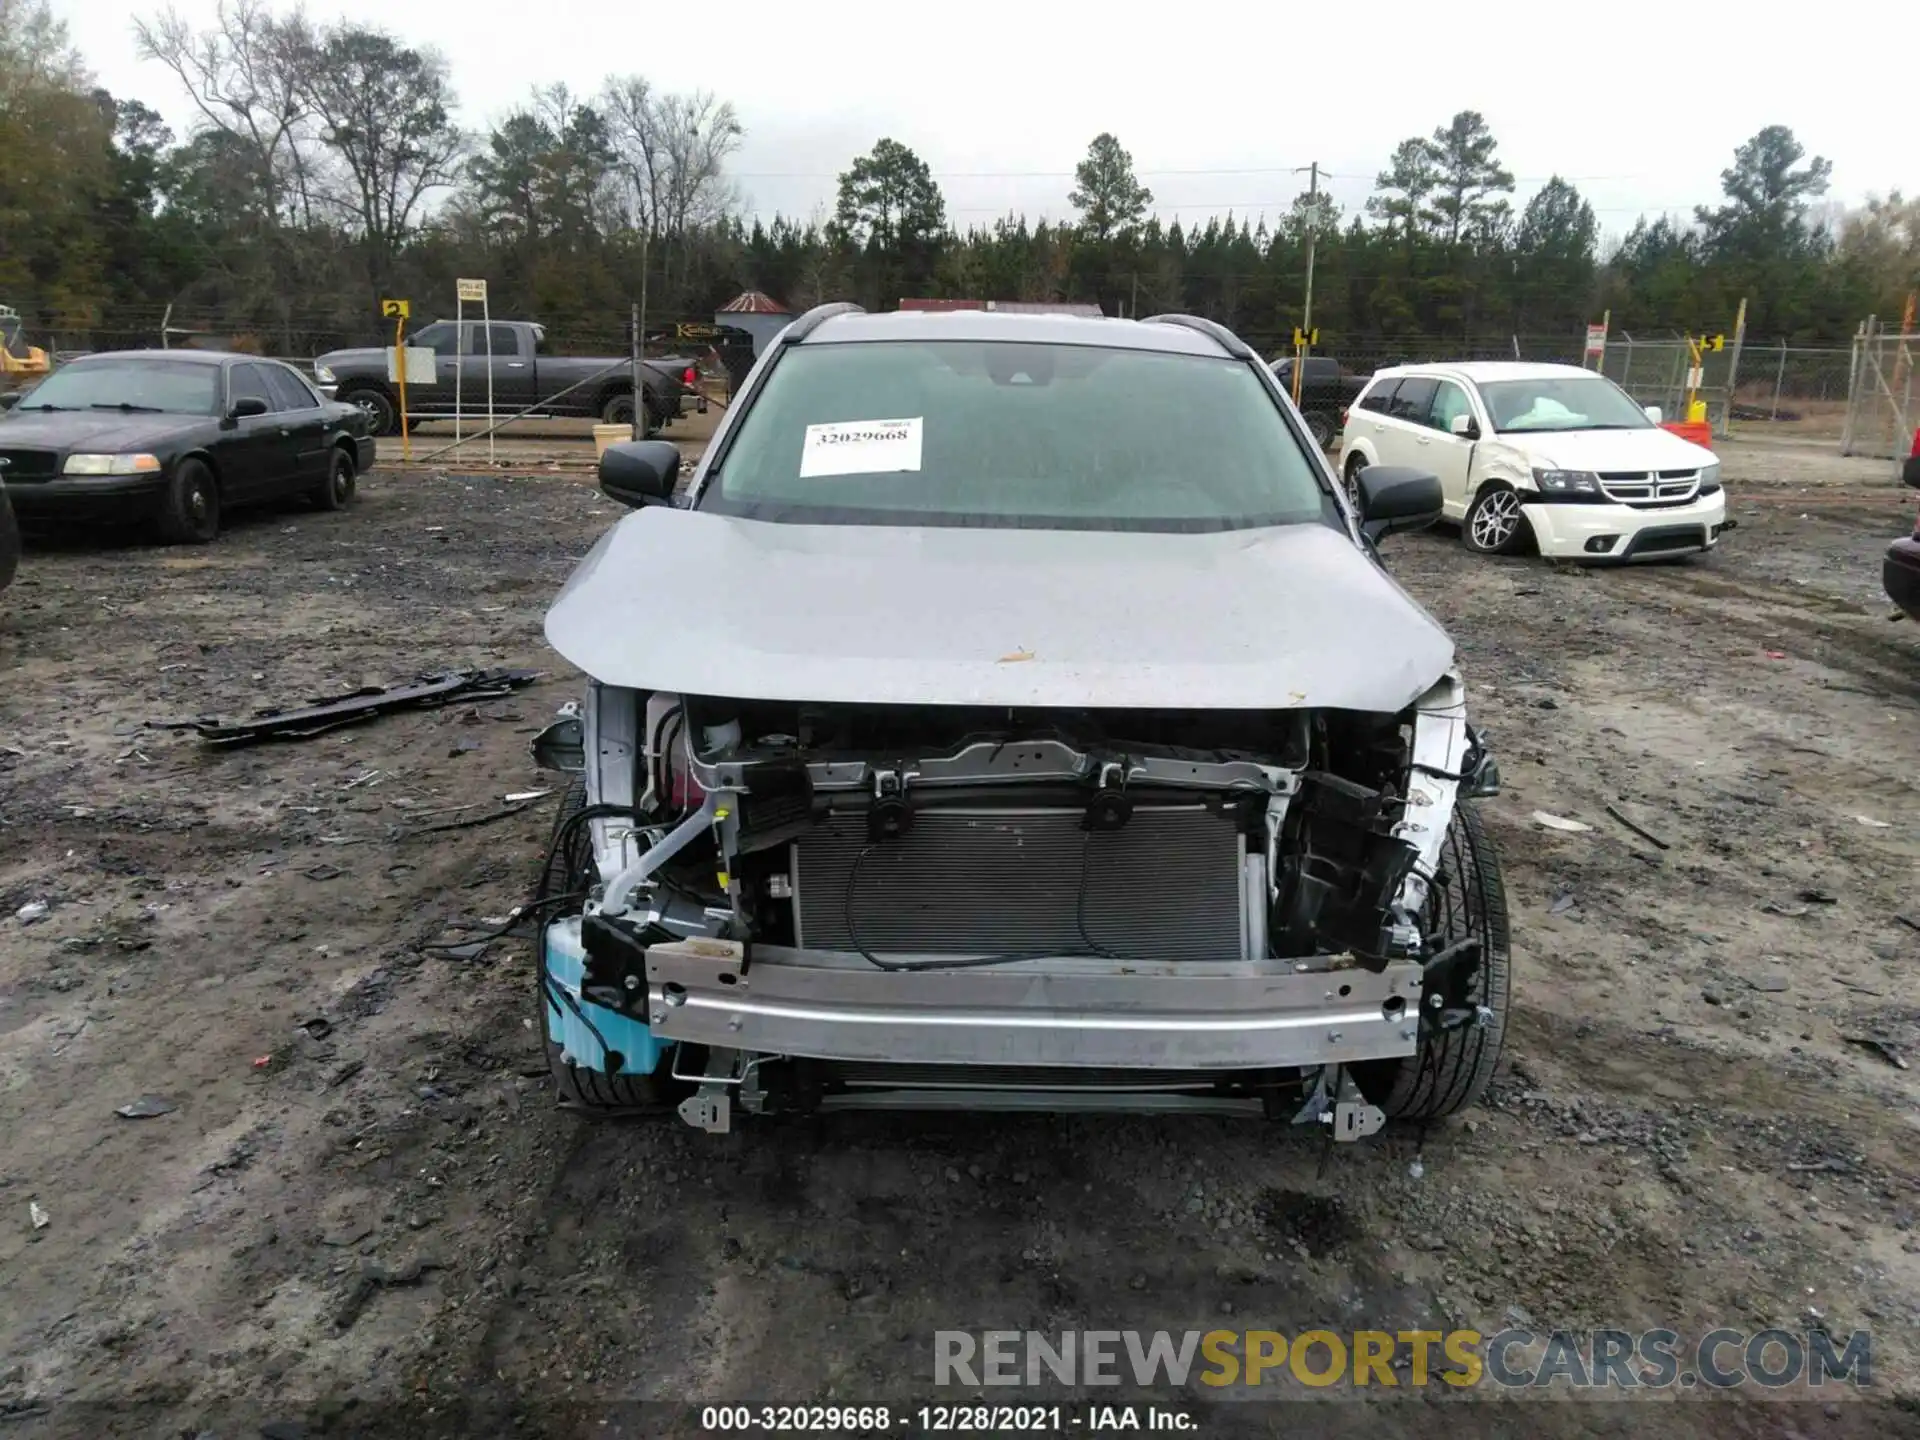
x,y
1561,402
1014,435
178,387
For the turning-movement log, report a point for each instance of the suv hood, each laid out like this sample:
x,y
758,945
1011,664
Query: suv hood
x,y
1611,450
1276,618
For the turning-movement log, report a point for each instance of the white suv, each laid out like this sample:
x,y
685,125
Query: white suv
x,y
1554,450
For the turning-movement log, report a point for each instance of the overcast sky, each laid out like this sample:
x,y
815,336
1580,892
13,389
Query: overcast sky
x,y
1641,105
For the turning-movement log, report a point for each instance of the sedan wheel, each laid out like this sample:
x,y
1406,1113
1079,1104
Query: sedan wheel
x,y
336,492
1496,523
190,508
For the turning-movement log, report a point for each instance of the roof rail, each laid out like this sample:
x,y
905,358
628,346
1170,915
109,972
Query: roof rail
x,y
1229,341
815,318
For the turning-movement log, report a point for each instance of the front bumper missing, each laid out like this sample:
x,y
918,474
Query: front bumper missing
x,y
1225,1015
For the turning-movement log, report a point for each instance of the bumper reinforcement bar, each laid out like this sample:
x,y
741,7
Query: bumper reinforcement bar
x,y
1224,1015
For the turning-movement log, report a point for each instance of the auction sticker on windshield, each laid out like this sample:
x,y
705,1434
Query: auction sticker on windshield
x,y
861,447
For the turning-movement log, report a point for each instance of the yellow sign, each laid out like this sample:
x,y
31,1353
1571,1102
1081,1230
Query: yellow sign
x,y
692,330
472,290
395,310
1714,342
1305,337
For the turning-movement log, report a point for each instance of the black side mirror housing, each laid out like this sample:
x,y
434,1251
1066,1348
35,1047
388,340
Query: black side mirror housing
x,y
247,406
1910,472
638,473
1394,498
9,400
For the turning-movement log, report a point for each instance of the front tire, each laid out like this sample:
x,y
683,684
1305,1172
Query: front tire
x,y
1496,522
190,507
379,409
1451,1068
1321,429
570,868
336,492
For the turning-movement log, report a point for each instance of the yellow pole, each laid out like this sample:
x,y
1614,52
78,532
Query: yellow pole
x,y
400,369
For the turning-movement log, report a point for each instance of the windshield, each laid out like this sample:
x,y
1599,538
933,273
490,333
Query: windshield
x,y
1014,436
182,387
1561,402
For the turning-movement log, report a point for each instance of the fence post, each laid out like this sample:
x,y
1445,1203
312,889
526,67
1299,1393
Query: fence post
x,y
1779,379
1860,334
1733,367
1626,366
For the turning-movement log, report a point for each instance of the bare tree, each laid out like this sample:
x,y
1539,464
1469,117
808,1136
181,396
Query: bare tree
x,y
249,76
385,110
672,153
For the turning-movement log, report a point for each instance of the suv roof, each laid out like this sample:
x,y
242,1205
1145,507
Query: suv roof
x,y
978,325
1478,370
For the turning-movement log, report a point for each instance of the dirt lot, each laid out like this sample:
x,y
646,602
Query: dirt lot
x,y
381,1216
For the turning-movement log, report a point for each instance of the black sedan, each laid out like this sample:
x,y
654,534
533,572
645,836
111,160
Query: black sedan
x,y
9,540
177,437
1900,572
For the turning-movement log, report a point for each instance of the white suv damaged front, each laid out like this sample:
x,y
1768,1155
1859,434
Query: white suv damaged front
x,y
977,817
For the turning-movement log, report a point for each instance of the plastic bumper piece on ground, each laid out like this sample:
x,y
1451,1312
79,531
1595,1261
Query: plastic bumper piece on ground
x,y
1226,1015
573,1027
1569,531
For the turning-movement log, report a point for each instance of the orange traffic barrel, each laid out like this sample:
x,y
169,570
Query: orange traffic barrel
x,y
1700,432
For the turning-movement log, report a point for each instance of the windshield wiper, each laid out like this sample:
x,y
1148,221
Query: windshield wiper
x,y
126,406
42,406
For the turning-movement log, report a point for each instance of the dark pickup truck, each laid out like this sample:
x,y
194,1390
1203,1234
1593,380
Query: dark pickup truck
x,y
524,375
1327,388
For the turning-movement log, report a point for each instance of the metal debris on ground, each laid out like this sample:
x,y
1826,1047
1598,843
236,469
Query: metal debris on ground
x,y
1879,1047
1562,903
464,824
31,911
1560,822
429,693
39,1217
1873,824
145,1108
1638,829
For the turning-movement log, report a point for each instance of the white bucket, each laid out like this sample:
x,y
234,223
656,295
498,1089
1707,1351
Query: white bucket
x,y
605,435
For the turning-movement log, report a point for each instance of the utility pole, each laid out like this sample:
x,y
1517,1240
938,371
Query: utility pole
x,y
1306,323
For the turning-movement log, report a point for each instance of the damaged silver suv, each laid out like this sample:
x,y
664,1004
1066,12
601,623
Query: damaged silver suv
x,y
1013,713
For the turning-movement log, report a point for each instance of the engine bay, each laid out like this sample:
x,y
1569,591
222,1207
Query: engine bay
x,y
934,835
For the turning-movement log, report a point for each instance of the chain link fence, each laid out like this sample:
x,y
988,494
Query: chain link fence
x,y
1883,402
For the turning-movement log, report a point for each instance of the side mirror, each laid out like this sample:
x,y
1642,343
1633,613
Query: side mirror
x,y
247,406
9,400
638,473
1397,497
1465,426
1910,472
1653,413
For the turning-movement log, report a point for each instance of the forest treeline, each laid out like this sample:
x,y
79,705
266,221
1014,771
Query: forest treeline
x,y
326,167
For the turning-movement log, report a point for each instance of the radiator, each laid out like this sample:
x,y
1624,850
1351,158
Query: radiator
x,y
1167,886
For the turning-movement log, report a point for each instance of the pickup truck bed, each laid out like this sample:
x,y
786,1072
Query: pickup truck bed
x,y
1326,390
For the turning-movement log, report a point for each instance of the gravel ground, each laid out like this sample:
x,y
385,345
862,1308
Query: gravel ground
x,y
361,1204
